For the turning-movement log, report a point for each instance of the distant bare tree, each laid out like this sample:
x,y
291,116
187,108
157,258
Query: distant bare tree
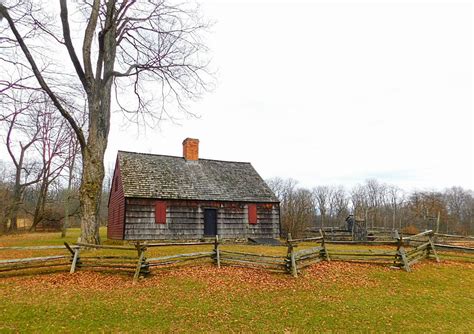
x,y
22,132
395,200
375,192
52,146
358,199
338,204
322,194
5,196
460,206
297,207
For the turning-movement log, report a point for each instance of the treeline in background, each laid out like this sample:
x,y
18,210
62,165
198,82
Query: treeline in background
x,y
374,204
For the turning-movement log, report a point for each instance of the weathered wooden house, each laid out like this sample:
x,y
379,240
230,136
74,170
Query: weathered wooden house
x,y
159,197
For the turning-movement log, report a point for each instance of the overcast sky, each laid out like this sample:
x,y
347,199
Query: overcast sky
x,y
334,93
330,92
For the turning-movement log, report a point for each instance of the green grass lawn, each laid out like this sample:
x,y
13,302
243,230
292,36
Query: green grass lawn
x,y
332,296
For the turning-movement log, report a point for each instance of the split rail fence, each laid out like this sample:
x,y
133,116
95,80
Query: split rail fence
x,y
299,259
425,248
301,253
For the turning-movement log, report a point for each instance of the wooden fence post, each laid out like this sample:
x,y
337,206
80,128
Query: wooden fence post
x,y
290,255
141,251
432,248
217,252
69,248
74,260
294,269
323,244
401,252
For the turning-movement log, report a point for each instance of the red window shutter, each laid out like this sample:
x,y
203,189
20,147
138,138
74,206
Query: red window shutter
x,y
252,213
160,212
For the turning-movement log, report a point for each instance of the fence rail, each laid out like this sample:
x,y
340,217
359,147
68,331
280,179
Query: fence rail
x,y
35,262
452,248
178,258
252,260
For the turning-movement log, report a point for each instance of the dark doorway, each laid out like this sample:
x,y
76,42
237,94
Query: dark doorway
x,y
210,222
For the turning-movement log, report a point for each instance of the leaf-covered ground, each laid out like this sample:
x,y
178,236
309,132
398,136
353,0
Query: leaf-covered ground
x,y
332,296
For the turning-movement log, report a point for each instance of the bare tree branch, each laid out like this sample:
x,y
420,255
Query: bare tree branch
x,y
39,77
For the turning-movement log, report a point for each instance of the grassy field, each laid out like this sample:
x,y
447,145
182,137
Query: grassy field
x,y
332,296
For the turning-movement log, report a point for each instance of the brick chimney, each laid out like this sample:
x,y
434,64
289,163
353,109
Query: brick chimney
x,y
191,149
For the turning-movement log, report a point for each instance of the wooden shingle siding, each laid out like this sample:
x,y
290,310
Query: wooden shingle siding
x,y
267,223
185,220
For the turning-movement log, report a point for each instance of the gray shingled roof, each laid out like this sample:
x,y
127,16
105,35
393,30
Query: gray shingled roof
x,y
167,177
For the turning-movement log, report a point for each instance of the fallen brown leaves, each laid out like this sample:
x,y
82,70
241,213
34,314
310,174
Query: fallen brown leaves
x,y
234,278
213,278
346,275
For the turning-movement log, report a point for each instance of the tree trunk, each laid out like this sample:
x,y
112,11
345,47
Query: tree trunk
x,y
15,208
14,222
4,225
68,198
99,126
40,203
66,216
91,191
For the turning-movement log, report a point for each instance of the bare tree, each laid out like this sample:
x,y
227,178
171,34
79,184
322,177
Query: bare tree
x,y
126,44
322,194
297,207
5,196
338,203
52,148
358,199
22,132
395,200
375,192
460,206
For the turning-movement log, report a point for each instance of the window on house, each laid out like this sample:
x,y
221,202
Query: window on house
x,y
252,208
160,212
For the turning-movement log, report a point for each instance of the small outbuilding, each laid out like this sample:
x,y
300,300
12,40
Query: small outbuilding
x,y
160,197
